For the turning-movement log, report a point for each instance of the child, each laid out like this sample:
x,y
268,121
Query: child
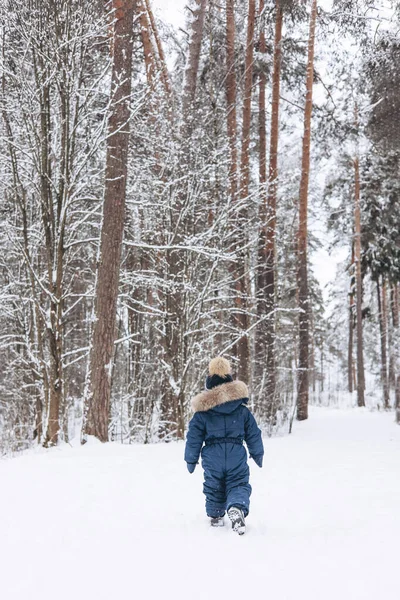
x,y
222,422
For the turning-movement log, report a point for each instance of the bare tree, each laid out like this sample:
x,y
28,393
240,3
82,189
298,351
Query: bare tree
x,y
45,107
175,349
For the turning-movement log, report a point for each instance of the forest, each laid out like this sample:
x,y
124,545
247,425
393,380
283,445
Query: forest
x,y
172,194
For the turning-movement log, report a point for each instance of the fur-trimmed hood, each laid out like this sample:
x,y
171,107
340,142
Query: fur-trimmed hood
x,y
227,392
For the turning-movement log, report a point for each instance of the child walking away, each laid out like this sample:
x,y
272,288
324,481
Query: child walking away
x,y
221,422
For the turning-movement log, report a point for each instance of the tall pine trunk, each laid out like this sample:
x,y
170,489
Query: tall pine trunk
x,y
231,97
395,318
266,280
302,274
160,55
231,123
192,64
351,324
382,313
260,343
242,291
148,50
357,242
106,295
391,341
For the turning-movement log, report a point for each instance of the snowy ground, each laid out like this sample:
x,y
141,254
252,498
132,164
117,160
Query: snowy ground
x,y
127,521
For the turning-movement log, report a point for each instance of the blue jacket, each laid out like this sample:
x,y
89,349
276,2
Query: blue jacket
x,y
221,414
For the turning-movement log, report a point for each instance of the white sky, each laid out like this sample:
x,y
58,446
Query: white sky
x,y
170,11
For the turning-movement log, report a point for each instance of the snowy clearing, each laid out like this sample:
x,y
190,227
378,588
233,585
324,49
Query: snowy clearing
x,y
109,521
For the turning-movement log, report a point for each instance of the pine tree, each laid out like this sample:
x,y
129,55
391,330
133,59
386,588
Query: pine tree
x,y
242,286
302,400
107,285
268,192
357,244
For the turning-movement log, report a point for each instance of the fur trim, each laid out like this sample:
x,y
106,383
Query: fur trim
x,y
219,366
226,392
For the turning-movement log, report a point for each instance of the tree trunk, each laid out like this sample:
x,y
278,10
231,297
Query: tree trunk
x,y
391,341
148,50
302,274
266,281
242,288
193,61
260,342
382,314
231,97
357,241
231,100
102,349
51,205
351,324
160,59
395,317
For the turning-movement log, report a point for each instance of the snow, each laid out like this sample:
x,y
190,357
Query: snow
x,y
171,11
112,521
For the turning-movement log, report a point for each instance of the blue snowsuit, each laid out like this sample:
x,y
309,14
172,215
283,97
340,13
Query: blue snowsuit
x,y
222,422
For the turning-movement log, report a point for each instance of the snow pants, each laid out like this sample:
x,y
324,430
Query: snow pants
x,y
226,478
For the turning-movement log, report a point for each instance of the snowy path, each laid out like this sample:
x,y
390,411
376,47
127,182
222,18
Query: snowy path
x,y
103,522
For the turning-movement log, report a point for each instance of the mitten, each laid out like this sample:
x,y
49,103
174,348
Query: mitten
x,y
191,467
258,460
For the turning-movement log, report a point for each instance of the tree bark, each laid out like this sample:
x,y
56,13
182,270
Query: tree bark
x,y
231,97
351,324
357,242
391,341
231,116
395,317
160,59
54,245
268,206
260,341
382,314
102,350
302,274
193,61
242,291
148,50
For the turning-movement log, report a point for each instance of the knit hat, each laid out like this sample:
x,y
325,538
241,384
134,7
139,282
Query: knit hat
x,y
219,372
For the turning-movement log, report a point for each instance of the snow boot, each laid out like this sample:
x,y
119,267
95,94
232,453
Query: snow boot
x,y
236,516
217,521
